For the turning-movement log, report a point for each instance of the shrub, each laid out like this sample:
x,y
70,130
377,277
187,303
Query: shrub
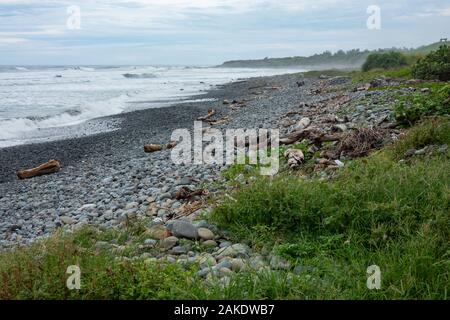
x,y
435,66
409,109
386,60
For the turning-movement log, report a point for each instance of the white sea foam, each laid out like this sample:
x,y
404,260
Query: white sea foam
x,y
33,101
16,128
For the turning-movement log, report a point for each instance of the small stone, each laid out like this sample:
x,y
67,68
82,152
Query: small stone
x,y
67,220
184,181
225,244
339,163
257,263
209,243
236,250
206,261
87,207
205,234
108,215
225,263
277,262
157,221
107,180
178,250
169,242
161,213
150,242
131,205
150,199
204,272
225,271
157,232
166,195
237,264
171,259
410,153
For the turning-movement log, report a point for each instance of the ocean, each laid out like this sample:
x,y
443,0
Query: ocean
x,y
44,103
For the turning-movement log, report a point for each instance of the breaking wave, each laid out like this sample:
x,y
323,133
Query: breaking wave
x,y
139,75
17,128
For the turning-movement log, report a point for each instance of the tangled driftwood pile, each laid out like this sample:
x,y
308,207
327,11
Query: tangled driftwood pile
x,y
359,142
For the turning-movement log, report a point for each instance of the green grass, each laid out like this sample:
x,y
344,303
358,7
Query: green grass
x,y
360,76
411,108
377,211
433,130
39,272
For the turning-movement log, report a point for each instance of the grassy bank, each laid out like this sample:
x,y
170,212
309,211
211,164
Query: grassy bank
x,y
378,210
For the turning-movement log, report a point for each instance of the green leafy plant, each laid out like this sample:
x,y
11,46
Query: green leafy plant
x,y
435,66
409,109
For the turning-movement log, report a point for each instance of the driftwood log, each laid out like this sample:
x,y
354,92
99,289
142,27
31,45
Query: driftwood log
x,y
218,122
51,166
171,144
149,148
211,112
152,147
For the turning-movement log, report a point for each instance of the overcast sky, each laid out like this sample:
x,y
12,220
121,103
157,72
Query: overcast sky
x,y
205,32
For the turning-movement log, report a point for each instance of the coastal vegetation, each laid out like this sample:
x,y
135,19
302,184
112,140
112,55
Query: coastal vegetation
x,y
352,59
435,66
386,60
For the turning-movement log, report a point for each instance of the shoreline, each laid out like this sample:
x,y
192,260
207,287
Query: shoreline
x,y
12,157
107,176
